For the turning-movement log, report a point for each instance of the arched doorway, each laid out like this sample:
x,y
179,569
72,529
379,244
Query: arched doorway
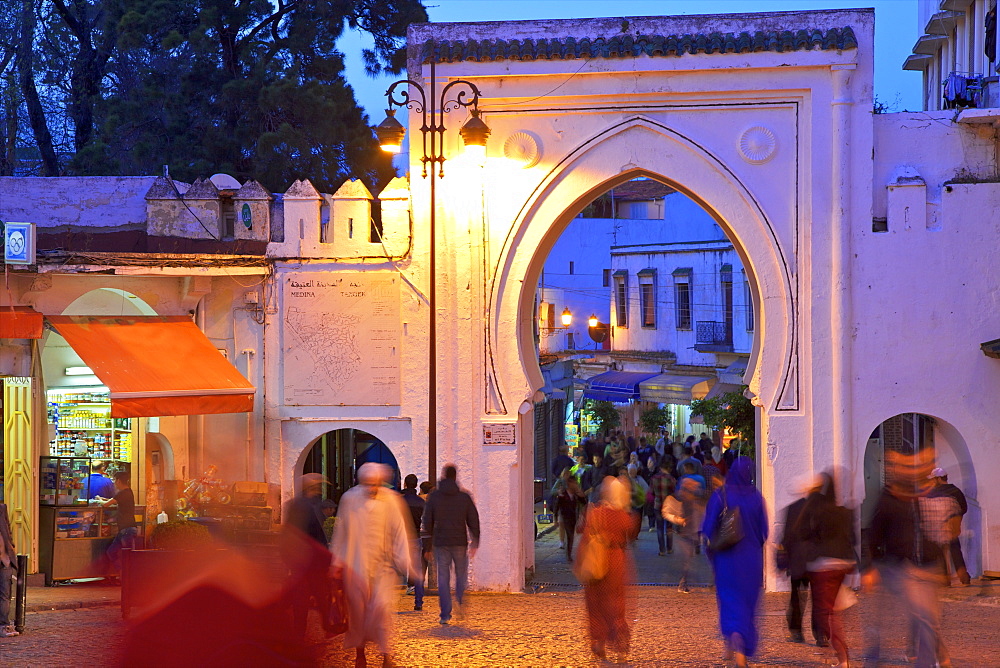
x,y
654,267
339,453
910,432
662,154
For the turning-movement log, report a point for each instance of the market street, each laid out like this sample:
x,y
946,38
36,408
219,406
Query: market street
x,y
547,628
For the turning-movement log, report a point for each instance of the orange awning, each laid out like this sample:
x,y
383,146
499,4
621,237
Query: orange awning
x,y
156,365
20,322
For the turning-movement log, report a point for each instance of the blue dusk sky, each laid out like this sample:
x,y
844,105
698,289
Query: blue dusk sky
x,y
895,33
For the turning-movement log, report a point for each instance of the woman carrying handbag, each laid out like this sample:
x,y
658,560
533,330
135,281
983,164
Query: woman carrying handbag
x,y
604,566
739,567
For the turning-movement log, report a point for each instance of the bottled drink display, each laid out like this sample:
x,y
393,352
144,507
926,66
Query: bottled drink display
x,y
85,428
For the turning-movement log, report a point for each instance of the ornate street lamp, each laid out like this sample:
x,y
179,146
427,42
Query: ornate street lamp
x,y
432,108
565,320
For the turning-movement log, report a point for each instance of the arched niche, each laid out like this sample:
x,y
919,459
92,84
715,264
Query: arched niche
x,y
952,453
299,438
57,355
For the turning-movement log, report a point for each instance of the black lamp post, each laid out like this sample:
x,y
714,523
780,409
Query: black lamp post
x,y
432,109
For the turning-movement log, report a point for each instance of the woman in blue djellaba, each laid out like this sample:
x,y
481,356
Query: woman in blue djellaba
x,y
739,570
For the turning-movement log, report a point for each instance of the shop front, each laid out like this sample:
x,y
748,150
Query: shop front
x,y
110,390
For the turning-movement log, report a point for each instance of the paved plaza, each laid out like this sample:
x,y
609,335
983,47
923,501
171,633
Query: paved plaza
x,y
541,629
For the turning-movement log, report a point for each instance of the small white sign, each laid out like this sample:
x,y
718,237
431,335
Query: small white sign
x,y
19,243
499,434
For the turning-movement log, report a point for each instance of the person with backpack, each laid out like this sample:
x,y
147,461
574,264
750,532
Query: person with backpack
x,y
739,568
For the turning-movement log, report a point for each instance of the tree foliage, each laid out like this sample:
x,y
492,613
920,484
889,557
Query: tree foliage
x,y
603,413
652,419
731,411
253,88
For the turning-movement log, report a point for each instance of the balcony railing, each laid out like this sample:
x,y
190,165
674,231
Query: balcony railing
x,y
713,337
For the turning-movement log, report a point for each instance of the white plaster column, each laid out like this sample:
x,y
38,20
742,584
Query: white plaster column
x,y
979,64
840,264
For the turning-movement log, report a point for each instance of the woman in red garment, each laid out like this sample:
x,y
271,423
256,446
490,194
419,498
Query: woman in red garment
x,y
611,522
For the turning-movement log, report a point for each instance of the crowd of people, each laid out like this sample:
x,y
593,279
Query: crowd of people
x,y
690,493
681,490
695,497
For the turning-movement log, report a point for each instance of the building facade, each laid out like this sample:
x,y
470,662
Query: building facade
x,y
837,216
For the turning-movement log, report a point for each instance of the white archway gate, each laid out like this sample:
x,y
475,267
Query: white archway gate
x,y
763,119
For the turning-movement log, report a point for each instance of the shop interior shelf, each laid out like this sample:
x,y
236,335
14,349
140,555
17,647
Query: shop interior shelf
x,y
88,429
104,404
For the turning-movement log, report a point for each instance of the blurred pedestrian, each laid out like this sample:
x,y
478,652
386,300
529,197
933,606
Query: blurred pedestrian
x,y
8,567
416,507
372,544
718,460
610,524
691,494
592,478
580,467
645,451
592,447
662,445
568,502
902,554
792,559
739,570
954,552
426,487
646,472
562,461
305,550
451,519
617,453
706,443
640,488
689,458
826,530
662,486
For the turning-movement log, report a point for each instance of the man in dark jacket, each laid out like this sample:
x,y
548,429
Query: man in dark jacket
x,y
8,566
416,506
450,517
792,560
944,488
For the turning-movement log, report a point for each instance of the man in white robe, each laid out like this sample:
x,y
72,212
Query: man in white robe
x,y
371,542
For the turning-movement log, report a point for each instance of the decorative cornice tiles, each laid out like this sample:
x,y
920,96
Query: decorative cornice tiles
x,y
627,46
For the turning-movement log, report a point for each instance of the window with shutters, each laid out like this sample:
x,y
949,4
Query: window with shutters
x,y
621,298
647,298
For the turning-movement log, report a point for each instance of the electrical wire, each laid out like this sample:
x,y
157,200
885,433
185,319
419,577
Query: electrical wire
x,y
190,210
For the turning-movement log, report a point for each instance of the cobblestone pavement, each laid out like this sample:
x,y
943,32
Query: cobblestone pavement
x,y
547,629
